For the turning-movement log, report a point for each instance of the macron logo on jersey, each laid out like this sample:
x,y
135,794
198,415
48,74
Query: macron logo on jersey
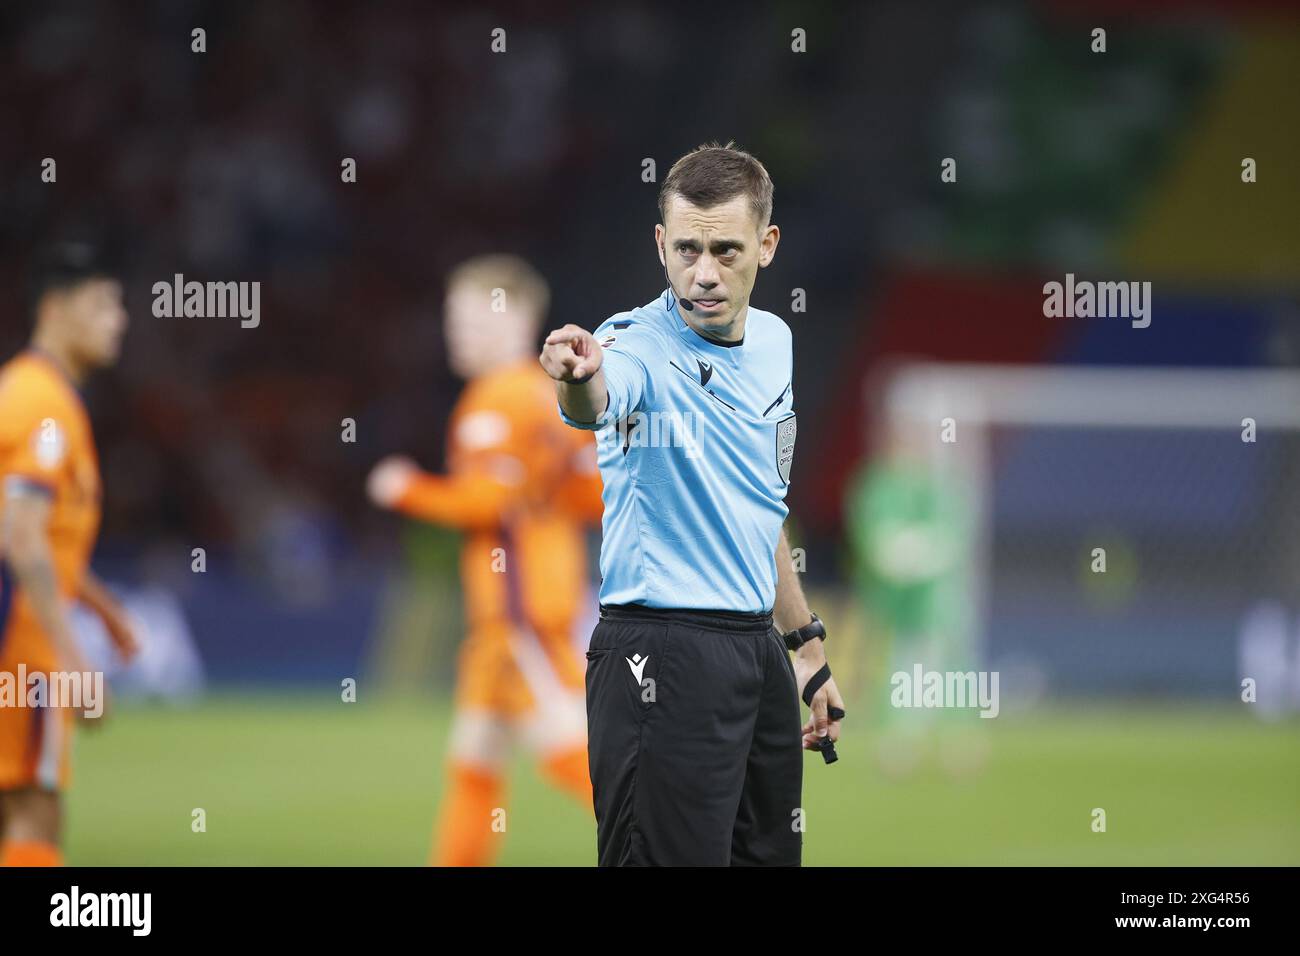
x,y
706,371
637,663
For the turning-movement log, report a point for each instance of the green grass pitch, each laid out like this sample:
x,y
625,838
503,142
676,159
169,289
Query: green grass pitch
x,y
288,780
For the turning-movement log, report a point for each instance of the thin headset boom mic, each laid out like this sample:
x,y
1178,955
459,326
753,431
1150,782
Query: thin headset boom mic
x,y
686,303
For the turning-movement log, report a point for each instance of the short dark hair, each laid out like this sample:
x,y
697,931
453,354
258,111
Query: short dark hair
x,y
61,266
712,174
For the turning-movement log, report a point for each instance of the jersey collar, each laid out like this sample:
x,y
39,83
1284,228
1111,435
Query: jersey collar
x,y
732,349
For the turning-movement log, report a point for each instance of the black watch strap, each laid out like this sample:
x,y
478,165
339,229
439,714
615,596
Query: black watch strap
x,y
798,638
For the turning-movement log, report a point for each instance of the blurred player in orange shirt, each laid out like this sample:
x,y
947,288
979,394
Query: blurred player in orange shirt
x,y
521,486
49,518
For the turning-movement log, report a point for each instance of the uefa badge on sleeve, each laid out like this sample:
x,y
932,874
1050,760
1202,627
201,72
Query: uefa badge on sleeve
x,y
785,430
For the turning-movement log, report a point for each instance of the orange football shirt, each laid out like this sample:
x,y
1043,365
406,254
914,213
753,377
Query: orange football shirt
x,y
46,447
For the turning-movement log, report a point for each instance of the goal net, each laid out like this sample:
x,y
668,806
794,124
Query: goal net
x,y
1132,531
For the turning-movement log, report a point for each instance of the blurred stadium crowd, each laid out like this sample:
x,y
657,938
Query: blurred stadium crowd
x,y
229,169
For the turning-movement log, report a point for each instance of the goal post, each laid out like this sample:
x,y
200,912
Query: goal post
x,y
1133,531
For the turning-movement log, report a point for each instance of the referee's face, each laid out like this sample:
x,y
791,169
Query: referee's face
x,y
713,256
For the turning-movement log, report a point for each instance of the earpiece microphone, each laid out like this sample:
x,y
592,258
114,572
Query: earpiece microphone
x,y
686,303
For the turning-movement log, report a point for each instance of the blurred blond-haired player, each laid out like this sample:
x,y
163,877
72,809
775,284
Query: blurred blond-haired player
x,y
49,519
521,486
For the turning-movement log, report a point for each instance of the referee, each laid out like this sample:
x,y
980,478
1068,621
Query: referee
x,y
692,700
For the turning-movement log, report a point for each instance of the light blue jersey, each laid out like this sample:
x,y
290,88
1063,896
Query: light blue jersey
x,y
695,449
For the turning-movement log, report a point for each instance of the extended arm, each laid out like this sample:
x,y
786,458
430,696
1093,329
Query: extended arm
x,y
466,501
573,357
96,596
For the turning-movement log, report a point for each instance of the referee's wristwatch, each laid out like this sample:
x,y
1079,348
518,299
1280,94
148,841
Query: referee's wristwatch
x,y
798,638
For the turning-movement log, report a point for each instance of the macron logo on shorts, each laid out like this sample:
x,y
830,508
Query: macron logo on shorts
x,y
637,663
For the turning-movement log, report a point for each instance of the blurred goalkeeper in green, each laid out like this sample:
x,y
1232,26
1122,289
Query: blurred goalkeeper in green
x,y
910,530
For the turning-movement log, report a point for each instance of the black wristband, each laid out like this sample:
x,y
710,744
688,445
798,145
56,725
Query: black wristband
x,y
582,381
798,638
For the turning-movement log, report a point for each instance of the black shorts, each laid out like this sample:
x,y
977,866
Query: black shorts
x,y
694,740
